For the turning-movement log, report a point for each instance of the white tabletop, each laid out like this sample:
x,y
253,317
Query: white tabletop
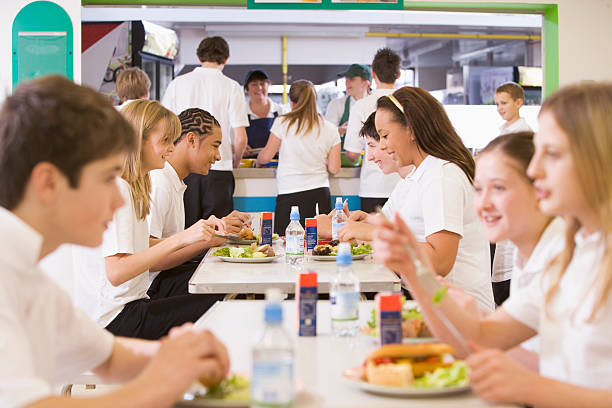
x,y
319,361
215,276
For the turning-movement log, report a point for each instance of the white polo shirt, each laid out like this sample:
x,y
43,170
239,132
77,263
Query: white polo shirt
x,y
573,349
520,125
439,196
373,182
550,244
222,97
44,339
335,109
274,108
167,216
125,235
397,199
302,158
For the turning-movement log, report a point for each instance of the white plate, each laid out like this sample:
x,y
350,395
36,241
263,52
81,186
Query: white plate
x,y
249,260
353,376
333,257
190,399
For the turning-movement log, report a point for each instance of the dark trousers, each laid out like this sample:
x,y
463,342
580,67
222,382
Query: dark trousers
x,y
173,282
369,204
208,195
152,319
306,200
501,291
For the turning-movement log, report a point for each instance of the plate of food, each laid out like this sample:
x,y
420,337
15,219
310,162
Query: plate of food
x,y
246,254
232,392
328,252
414,328
245,236
411,370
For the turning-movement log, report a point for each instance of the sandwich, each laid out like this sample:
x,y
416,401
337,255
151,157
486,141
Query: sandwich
x,y
399,365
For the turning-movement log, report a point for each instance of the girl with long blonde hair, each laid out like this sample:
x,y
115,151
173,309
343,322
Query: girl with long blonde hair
x,y
114,292
308,148
569,305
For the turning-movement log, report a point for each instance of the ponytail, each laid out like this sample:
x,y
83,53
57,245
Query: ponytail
x,y
303,95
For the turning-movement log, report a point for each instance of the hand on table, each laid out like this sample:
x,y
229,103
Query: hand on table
x,y
185,355
358,215
355,231
496,377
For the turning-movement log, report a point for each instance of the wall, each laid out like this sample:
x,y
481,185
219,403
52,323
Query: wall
x,y
9,11
584,36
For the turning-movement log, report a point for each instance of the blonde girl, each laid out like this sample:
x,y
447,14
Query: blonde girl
x,y
308,148
114,293
569,306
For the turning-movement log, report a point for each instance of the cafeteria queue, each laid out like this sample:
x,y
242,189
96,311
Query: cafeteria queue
x,y
147,190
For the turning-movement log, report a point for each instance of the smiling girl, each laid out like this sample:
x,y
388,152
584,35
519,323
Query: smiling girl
x,y
114,292
569,304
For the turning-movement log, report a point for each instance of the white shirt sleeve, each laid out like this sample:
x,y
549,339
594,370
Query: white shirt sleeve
x,y
352,141
238,108
524,305
160,207
332,135
444,201
335,109
119,237
19,383
278,128
169,99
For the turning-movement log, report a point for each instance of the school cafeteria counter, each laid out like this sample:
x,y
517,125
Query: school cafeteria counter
x,y
256,188
319,361
215,276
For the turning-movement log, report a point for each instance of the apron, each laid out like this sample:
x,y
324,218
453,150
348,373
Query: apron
x,y
258,131
345,162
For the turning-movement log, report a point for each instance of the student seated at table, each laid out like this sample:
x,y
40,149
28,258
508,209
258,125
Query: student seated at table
x,y
387,165
63,146
569,305
308,148
113,289
196,149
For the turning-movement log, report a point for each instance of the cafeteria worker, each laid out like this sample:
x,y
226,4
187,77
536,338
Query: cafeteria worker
x,y
261,110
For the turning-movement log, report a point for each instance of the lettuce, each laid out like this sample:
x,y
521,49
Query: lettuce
x,y
362,249
235,388
222,252
454,376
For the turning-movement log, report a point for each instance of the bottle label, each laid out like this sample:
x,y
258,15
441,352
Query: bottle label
x,y
335,227
294,245
344,306
272,384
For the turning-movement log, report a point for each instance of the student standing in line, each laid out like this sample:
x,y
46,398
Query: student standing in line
x,y
195,151
309,148
132,83
358,79
207,88
63,146
509,98
261,109
374,186
569,304
113,290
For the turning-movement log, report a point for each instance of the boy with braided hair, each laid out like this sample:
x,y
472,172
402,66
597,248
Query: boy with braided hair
x,y
195,151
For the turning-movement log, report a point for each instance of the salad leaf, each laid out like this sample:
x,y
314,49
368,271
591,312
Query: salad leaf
x,y
454,376
222,252
439,295
372,321
412,313
362,249
235,388
236,252
247,253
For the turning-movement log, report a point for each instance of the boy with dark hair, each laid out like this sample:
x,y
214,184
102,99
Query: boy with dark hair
x,y
207,88
61,149
375,186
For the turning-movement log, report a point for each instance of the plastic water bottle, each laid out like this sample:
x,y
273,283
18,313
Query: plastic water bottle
x,y
344,295
272,382
339,218
294,238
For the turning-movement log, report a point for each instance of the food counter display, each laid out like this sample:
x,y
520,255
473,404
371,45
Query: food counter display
x,y
256,188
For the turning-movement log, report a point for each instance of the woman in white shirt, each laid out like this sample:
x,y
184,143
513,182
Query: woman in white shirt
x,y
308,148
113,291
438,205
569,305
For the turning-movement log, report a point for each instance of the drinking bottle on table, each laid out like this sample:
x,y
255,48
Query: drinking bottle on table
x,y
339,218
294,238
344,295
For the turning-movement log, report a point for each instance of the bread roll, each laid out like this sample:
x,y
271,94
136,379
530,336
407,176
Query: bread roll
x,y
391,375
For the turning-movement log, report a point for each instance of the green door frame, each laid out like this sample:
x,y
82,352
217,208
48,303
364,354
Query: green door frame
x,y
550,28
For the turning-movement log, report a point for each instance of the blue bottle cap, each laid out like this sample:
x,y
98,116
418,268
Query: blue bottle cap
x,y
273,313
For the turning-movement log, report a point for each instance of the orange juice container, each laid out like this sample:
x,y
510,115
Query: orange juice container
x,y
389,317
306,295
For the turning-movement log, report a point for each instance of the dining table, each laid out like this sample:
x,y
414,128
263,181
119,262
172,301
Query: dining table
x,y
214,275
319,361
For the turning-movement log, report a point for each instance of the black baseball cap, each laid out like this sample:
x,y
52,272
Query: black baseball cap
x,y
255,74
